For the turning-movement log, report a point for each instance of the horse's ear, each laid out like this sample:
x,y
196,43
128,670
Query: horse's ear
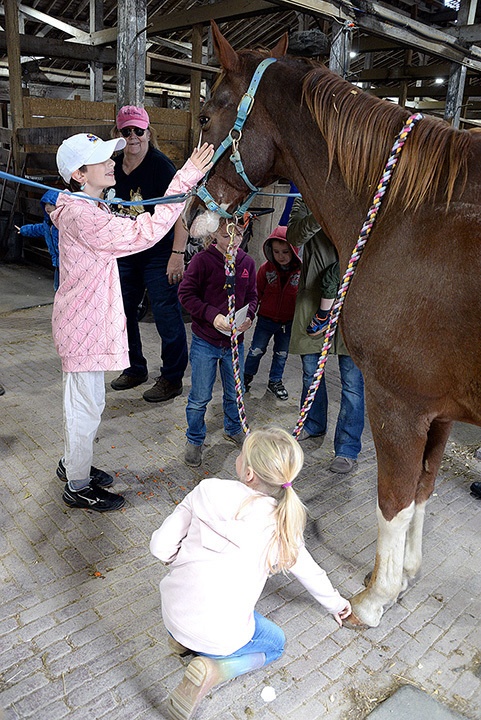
x,y
225,53
281,47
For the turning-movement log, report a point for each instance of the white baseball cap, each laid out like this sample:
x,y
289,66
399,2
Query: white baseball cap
x,y
84,149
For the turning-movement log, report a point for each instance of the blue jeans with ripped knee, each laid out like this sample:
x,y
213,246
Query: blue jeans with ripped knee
x,y
266,329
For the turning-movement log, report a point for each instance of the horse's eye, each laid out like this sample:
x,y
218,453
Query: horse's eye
x,y
203,120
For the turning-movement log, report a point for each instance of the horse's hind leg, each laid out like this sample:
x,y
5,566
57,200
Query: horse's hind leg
x,y
436,442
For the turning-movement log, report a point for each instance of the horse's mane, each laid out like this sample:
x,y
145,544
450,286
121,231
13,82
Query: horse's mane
x,y
360,129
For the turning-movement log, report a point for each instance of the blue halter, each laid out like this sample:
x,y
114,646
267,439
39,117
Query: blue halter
x,y
233,138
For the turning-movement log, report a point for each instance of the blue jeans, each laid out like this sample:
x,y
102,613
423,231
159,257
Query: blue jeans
x,y
268,638
350,421
204,359
264,330
140,271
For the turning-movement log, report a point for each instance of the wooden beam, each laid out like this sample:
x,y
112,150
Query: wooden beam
x,y
225,10
34,45
53,22
186,65
131,52
14,76
195,80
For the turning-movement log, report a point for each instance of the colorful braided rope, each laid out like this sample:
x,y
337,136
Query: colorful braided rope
x,y
356,254
230,258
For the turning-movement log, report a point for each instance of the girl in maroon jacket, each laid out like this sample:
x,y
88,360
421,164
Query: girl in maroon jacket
x,y
277,283
203,294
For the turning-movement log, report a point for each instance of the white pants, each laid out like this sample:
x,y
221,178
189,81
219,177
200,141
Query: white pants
x,y
83,405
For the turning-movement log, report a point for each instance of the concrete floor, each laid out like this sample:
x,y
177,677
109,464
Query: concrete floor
x,y
81,634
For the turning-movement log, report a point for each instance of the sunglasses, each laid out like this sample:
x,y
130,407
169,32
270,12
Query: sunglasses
x,y
126,132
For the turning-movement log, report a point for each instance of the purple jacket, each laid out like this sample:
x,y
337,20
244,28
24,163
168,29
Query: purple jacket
x,y
203,294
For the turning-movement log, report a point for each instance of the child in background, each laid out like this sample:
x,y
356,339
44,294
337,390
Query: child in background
x,y
221,544
329,285
46,230
277,283
203,294
89,326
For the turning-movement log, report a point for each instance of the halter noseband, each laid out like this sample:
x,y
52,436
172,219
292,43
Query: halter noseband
x,y
233,138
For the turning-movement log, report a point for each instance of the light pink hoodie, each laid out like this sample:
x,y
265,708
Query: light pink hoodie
x,y
215,543
89,325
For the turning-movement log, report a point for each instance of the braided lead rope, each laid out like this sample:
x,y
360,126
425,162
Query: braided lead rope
x,y
356,254
230,258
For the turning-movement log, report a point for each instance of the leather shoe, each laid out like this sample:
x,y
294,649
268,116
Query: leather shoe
x,y
304,435
125,382
476,489
342,465
163,390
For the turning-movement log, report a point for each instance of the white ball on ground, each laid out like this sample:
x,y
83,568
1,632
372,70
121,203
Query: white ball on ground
x,y
268,694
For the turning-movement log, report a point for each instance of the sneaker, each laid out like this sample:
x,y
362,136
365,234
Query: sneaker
x,y
125,382
342,465
163,390
200,676
93,498
98,478
318,324
193,454
247,382
238,438
278,389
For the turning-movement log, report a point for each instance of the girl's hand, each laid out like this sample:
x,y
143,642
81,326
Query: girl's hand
x,y
340,616
221,323
245,325
201,157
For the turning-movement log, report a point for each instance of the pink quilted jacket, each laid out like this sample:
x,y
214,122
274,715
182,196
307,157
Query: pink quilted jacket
x,y
89,325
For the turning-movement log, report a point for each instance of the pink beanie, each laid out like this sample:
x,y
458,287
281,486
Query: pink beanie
x,y
279,233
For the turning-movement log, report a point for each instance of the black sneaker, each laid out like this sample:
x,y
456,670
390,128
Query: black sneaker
x,y
98,478
93,498
277,388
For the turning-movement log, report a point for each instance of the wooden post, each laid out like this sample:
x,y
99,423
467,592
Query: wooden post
x,y
195,80
131,44
96,68
14,76
339,58
457,74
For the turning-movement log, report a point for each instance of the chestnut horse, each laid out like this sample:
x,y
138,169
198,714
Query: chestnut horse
x,y
413,311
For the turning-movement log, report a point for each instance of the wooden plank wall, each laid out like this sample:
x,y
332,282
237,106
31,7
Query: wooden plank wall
x,y
172,127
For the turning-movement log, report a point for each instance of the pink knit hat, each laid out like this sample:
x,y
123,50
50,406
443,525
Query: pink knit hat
x,y
132,116
279,233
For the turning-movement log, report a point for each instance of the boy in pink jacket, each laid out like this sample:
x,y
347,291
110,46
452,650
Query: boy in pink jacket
x,y
89,326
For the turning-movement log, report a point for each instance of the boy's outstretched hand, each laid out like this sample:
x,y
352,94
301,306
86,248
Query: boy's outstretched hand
x,y
340,616
202,156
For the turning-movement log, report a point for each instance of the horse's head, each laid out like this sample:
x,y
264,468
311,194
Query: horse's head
x,y
234,176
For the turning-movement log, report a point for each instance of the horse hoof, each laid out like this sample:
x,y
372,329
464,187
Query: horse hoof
x,y
353,623
367,579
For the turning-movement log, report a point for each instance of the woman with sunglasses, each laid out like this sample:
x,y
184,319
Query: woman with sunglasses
x,y
142,171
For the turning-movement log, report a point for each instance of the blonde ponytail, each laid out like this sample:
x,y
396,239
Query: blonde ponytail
x,y
276,458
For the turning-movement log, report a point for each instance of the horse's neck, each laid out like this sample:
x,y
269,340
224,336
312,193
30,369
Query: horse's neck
x,y
323,191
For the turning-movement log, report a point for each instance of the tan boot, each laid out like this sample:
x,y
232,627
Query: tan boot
x,y
201,675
